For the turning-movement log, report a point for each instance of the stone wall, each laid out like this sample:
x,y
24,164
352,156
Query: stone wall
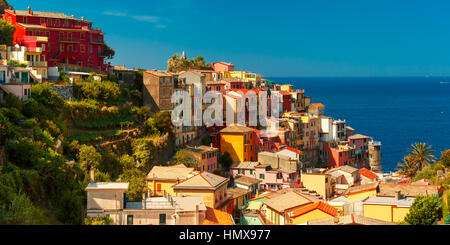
x,y
65,91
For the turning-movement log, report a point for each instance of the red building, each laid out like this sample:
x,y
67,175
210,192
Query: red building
x,y
63,39
287,104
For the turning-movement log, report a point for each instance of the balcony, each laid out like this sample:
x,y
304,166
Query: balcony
x,y
69,40
36,63
96,41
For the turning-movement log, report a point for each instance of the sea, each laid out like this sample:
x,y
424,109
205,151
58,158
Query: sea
x,y
398,111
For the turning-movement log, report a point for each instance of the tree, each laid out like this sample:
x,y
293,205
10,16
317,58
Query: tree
x,y
163,121
206,140
427,172
408,166
424,211
13,101
445,158
225,161
423,154
184,157
6,33
135,178
109,52
98,220
89,157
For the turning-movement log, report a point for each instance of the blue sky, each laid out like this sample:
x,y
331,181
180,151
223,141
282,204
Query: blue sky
x,y
275,38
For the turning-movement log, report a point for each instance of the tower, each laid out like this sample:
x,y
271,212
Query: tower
x,y
375,156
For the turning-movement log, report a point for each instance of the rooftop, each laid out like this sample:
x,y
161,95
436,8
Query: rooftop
x,y
44,14
203,180
201,149
245,180
107,186
235,128
244,165
361,188
286,201
358,136
176,172
217,217
408,190
159,73
345,168
349,220
405,202
313,206
367,173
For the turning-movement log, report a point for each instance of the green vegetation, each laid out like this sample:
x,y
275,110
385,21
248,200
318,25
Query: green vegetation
x,y
98,220
420,155
6,33
37,183
225,161
184,157
177,64
424,211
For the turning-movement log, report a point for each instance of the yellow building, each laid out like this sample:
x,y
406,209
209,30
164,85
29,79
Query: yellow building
x,y
323,184
245,76
162,178
389,209
279,208
361,192
211,187
238,140
318,210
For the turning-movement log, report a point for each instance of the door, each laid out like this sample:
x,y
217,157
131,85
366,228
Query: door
x,y
162,219
129,219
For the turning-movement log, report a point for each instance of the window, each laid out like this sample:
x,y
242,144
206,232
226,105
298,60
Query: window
x,y
158,187
129,219
162,219
61,47
261,176
82,48
69,48
251,171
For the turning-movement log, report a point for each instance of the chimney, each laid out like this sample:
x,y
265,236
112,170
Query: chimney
x,y
29,10
82,17
92,175
197,215
398,195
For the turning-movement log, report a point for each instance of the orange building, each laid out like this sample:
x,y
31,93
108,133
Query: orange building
x,y
237,140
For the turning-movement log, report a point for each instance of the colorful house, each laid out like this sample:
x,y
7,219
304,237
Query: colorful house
x,y
318,210
237,140
322,183
350,219
162,178
361,144
390,209
211,187
361,192
63,39
279,207
367,176
205,156
222,66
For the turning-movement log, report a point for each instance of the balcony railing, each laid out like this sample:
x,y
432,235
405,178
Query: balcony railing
x,y
36,63
69,40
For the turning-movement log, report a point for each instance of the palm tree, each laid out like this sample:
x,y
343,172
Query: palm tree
x,y
423,154
408,166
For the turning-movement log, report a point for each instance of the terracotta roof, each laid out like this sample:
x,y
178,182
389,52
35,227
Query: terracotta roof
x,y
217,217
292,150
318,205
358,136
345,168
201,149
204,180
282,92
159,73
245,180
361,188
367,173
236,192
318,104
349,220
236,129
287,200
244,165
174,173
408,190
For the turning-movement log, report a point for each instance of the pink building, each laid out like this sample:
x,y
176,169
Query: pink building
x,y
361,144
276,179
205,156
223,66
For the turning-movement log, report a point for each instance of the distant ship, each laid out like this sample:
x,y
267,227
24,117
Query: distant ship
x,y
443,82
